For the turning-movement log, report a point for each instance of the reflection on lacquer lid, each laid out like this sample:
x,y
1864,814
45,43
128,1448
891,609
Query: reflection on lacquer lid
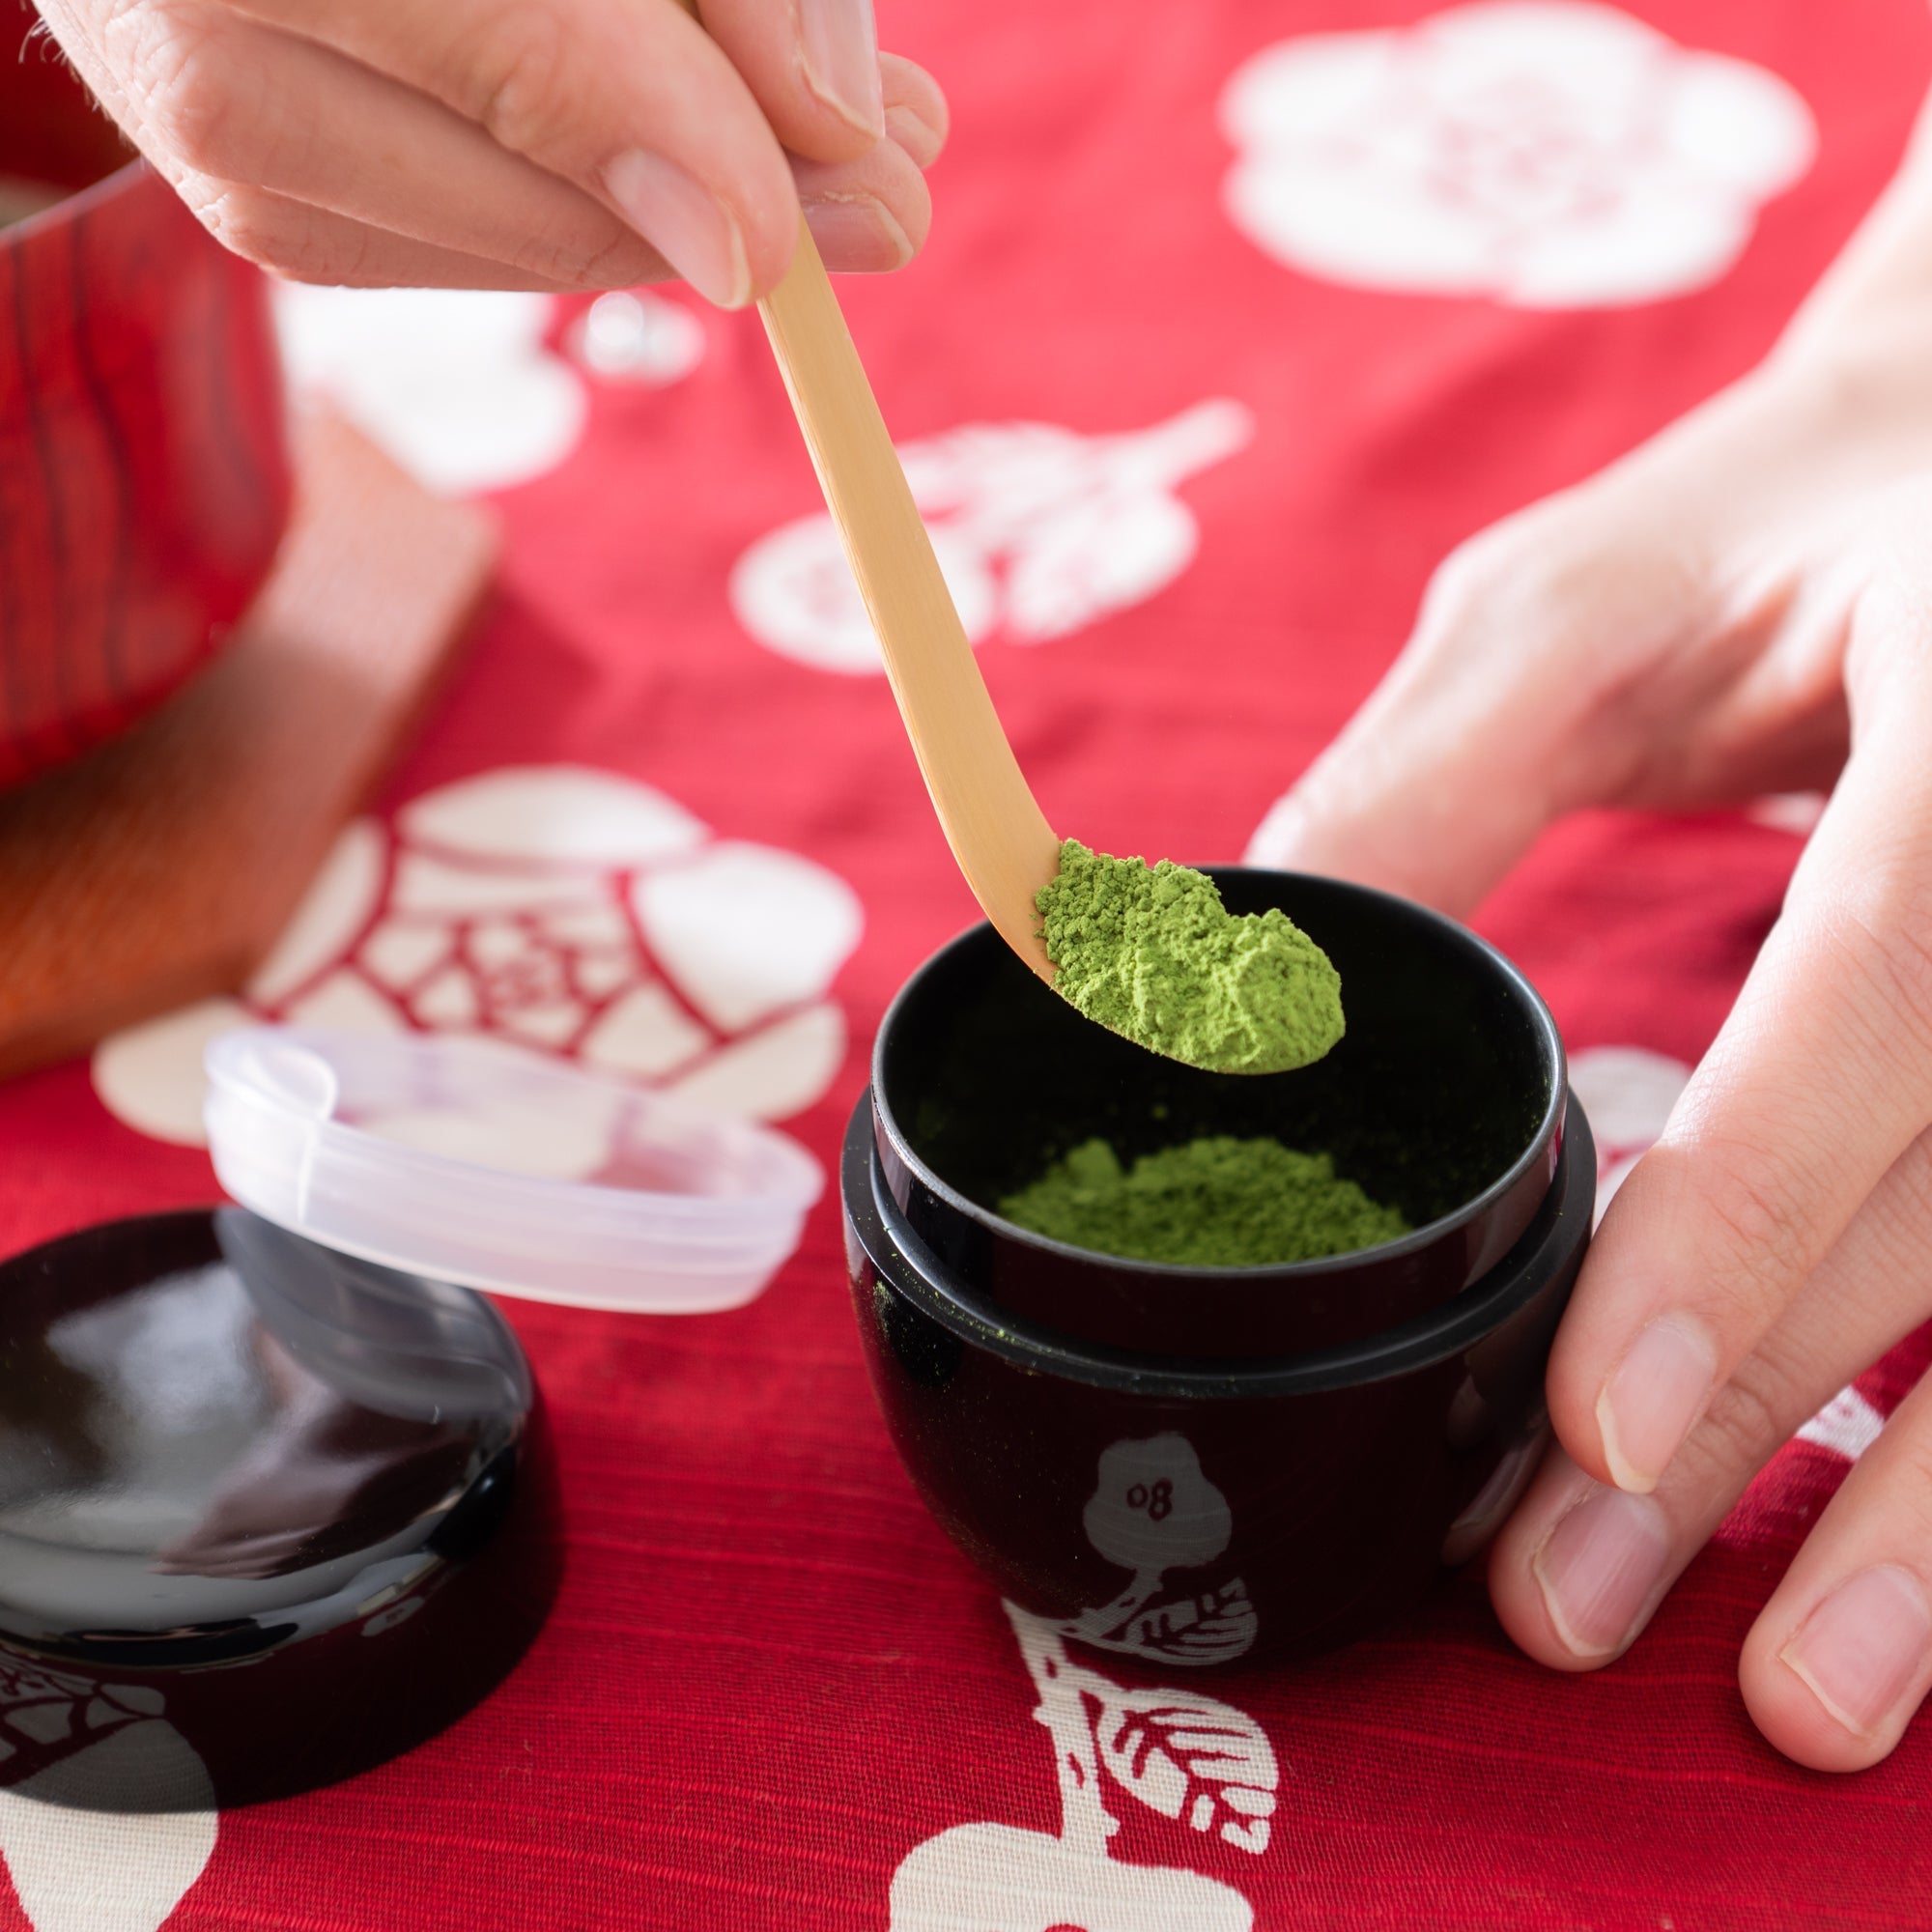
x,y
287,1493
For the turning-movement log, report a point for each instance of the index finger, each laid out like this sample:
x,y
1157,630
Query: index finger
x,y
813,69
633,102
1820,1079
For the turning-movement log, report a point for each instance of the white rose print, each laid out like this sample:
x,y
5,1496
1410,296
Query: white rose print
x,y
565,910
108,1817
1544,153
1038,529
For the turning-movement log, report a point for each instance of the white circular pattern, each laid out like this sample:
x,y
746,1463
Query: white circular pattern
x,y
1544,154
457,385
633,336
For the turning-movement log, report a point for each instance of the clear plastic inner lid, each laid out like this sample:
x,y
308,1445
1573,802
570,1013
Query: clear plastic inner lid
x,y
471,1161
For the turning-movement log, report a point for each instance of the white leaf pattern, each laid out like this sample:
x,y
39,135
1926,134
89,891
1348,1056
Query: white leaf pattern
x,y
109,1818
1191,1757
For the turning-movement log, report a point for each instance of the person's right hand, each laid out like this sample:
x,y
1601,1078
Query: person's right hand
x,y
1743,605
533,144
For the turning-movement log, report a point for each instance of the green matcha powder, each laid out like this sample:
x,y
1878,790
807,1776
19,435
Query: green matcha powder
x,y
1213,1203
1151,952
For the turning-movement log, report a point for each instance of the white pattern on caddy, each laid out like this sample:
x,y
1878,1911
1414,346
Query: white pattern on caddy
x,y
1038,529
1543,154
1199,1762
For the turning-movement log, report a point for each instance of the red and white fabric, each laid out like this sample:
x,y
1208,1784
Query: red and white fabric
x,y
1238,314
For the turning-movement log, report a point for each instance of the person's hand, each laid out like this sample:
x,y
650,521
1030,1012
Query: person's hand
x,y
1744,606
532,144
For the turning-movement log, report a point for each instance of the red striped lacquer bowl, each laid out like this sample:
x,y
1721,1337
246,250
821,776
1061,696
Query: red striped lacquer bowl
x,y
144,476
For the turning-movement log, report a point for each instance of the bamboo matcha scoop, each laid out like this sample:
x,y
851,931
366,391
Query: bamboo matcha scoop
x,y
997,833
1151,955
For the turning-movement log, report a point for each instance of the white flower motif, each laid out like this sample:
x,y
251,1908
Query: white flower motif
x,y
998,1878
1544,154
1038,529
561,909
457,385
1195,1760
108,1817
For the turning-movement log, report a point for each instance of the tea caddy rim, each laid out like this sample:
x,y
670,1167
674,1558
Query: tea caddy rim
x,y
1562,1222
1551,1126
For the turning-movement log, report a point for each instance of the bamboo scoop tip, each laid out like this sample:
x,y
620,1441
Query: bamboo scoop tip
x,y
1008,881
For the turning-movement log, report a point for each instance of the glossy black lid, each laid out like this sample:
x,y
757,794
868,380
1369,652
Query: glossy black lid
x,y
285,1500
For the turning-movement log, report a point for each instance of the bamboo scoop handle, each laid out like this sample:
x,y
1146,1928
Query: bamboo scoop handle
x,y
997,833
999,836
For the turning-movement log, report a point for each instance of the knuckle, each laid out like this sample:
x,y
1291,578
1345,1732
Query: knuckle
x,y
512,87
1877,933
1891,603
278,240
1528,558
1758,1227
1751,1416
179,70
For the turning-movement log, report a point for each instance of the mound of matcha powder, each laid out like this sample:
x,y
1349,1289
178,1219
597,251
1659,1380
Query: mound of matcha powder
x,y
1151,952
1212,1202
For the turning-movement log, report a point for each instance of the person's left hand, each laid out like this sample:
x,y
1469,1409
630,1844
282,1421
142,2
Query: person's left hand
x,y
1742,607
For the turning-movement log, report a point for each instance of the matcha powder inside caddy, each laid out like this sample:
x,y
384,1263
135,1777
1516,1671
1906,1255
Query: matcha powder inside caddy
x,y
1216,1202
1151,952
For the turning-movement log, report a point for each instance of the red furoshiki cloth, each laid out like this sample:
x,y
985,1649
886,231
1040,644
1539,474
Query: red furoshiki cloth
x,y
1268,384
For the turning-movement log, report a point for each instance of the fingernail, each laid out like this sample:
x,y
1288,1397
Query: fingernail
x,y
841,45
1598,1567
856,234
1658,1391
1863,1646
920,142
685,223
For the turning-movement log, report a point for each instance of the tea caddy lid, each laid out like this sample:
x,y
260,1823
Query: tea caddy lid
x,y
479,1163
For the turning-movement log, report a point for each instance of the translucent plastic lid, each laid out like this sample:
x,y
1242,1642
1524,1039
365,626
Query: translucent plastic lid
x,y
475,1162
